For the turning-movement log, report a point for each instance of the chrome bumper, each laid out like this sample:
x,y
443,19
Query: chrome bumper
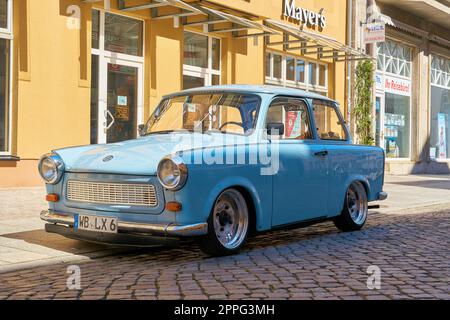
x,y
192,230
382,196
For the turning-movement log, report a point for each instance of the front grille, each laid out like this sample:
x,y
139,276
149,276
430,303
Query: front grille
x,y
112,193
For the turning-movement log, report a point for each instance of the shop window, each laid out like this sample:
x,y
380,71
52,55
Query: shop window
x,y
397,125
123,35
202,60
290,71
393,113
440,108
5,75
394,58
329,123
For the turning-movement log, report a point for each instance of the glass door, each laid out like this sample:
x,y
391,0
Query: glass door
x,y
120,101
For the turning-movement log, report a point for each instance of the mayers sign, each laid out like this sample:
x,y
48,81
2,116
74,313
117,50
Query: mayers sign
x,y
303,15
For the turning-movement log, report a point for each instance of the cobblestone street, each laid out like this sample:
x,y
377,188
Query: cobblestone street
x,y
318,262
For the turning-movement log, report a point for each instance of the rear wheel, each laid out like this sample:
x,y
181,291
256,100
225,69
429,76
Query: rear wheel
x,y
356,209
228,225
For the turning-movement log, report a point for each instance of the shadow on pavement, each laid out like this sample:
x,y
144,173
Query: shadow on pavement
x,y
433,184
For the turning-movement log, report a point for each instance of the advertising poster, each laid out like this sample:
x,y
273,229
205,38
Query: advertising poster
x,y
442,139
293,124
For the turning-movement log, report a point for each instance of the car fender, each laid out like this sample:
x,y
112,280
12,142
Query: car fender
x,y
263,221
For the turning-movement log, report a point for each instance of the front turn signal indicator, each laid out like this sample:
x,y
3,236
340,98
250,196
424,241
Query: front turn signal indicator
x,y
52,197
174,206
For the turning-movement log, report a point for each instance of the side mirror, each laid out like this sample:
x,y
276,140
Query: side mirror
x,y
275,129
142,128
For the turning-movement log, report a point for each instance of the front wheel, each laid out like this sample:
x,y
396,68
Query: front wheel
x,y
228,225
356,209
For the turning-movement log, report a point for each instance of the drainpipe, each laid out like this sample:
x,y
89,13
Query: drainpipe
x,y
349,63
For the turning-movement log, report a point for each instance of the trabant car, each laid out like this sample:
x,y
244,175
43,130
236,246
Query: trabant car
x,y
217,164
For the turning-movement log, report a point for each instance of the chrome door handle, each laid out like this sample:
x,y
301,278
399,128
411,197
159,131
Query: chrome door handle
x,y
321,153
108,113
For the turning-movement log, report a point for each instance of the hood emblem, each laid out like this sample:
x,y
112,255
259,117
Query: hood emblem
x,y
108,158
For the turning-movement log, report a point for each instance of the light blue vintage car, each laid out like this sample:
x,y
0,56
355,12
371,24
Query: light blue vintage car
x,y
218,164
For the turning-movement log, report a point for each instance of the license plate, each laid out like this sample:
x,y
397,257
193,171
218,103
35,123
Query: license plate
x,y
96,224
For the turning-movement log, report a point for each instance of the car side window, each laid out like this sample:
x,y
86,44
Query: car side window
x,y
293,114
329,123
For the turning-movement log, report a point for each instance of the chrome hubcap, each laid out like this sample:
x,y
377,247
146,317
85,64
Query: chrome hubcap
x,y
357,203
231,219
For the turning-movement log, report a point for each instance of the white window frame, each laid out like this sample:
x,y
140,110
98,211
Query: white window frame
x,y
8,35
438,85
296,84
205,73
105,57
382,71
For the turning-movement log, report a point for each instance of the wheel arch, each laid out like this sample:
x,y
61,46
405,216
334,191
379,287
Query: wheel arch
x,y
248,190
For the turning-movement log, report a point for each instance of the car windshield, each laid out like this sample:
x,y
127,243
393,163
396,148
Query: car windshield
x,y
220,112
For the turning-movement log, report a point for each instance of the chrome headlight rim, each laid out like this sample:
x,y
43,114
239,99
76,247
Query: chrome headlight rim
x,y
58,164
179,163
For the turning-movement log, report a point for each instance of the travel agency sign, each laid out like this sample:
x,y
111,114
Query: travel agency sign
x,y
308,17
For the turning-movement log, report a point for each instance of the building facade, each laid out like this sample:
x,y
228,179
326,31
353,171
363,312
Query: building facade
x,y
78,72
412,83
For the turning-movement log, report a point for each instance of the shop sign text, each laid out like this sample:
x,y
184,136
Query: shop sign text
x,y
308,17
375,32
397,86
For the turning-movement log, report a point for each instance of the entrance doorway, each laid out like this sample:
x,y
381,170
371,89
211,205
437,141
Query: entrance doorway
x,y
117,78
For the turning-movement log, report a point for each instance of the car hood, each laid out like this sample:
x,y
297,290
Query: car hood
x,y
137,157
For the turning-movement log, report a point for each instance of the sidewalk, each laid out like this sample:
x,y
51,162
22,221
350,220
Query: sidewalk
x,y
24,243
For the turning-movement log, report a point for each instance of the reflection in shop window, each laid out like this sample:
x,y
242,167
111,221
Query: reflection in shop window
x,y
322,75
290,69
294,72
202,60
3,14
215,53
440,108
277,66
195,50
95,29
190,82
267,64
123,35
300,70
312,73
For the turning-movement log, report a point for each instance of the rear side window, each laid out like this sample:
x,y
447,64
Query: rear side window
x,y
329,123
293,114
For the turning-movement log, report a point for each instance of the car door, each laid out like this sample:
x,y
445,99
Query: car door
x,y
334,136
300,188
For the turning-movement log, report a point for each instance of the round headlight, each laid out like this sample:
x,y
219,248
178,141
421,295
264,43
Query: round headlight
x,y
51,168
172,173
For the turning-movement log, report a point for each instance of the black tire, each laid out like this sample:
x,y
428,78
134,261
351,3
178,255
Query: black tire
x,y
229,206
354,215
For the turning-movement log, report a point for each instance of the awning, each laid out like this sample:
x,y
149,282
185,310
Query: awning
x,y
183,9
238,24
212,17
313,43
